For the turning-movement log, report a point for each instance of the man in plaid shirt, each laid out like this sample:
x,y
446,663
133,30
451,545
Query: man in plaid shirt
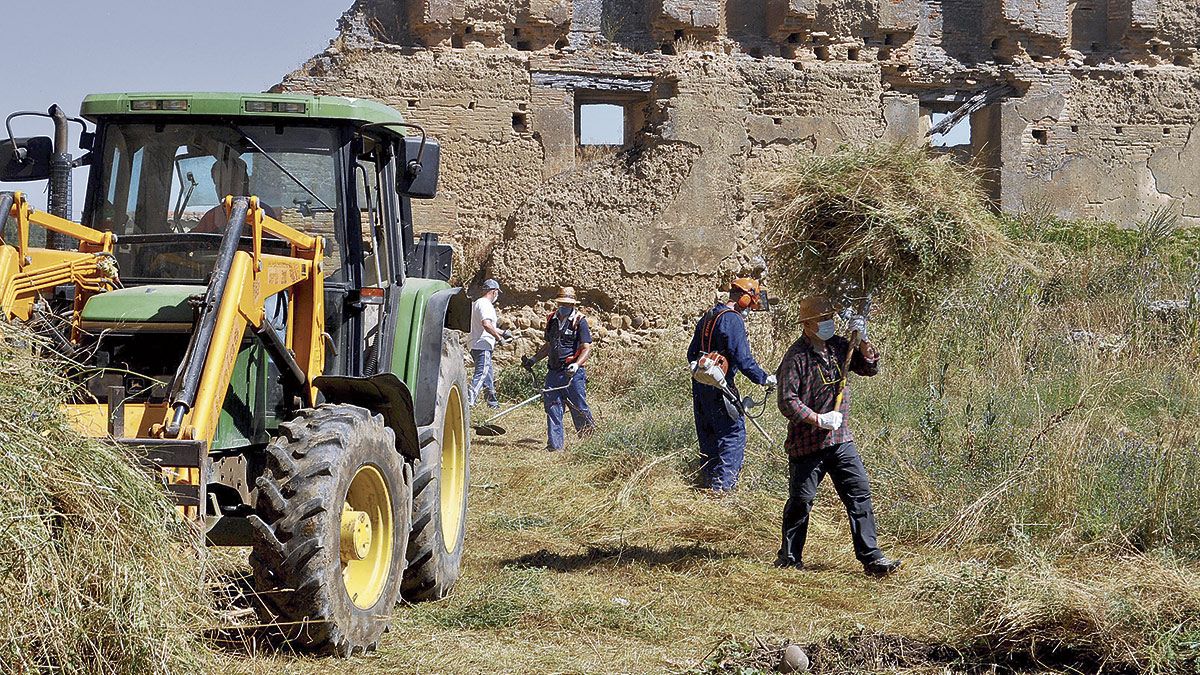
x,y
819,441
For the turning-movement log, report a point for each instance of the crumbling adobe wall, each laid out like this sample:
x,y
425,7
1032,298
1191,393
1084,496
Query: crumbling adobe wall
x,y
1087,108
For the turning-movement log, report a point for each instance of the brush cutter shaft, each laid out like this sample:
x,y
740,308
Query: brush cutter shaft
x,y
524,403
742,409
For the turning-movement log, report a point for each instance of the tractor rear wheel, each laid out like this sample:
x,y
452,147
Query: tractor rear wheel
x,y
334,501
440,485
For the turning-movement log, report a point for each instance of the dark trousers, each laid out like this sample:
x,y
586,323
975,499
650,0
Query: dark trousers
x,y
845,467
722,439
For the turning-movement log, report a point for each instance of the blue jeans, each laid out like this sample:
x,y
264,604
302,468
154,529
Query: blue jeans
x,y
722,438
484,376
574,396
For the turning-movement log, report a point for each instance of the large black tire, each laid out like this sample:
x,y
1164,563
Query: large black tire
x,y
327,460
439,525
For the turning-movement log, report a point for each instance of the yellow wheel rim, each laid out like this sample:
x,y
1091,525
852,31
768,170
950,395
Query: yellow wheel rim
x,y
453,483
367,562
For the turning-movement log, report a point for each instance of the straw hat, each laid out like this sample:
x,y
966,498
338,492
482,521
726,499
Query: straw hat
x,y
816,308
566,296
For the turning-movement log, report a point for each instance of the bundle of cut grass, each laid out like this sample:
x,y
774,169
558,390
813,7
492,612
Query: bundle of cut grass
x,y
886,220
97,575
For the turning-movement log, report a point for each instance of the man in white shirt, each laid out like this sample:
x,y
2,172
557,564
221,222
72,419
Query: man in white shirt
x,y
484,335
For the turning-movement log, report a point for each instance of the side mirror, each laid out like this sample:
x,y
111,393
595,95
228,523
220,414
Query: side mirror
x,y
420,162
29,162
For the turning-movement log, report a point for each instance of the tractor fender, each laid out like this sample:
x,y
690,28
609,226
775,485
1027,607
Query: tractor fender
x,y
448,308
383,394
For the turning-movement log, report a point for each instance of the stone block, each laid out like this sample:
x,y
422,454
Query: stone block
x,y
551,12
1041,17
437,12
785,17
698,16
900,15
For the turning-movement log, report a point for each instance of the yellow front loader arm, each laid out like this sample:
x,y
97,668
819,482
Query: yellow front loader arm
x,y
241,284
26,272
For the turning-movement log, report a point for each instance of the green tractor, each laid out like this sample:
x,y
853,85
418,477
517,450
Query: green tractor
x,y
257,318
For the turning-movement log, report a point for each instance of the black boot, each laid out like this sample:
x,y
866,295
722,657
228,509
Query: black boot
x,y
882,567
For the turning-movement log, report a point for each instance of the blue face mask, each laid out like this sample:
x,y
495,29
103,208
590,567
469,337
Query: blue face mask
x,y
826,329
564,312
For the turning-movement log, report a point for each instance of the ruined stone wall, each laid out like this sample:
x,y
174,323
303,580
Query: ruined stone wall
x,y
1087,108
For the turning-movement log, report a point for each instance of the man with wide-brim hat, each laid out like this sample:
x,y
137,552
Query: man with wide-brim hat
x,y
568,347
814,396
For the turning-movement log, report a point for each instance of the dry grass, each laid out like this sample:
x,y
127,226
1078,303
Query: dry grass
x,y
97,576
886,220
1135,614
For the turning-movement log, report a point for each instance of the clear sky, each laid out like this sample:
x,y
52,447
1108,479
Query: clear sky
x,y
57,51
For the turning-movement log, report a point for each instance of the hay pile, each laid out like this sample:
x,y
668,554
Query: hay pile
x,y
96,575
891,221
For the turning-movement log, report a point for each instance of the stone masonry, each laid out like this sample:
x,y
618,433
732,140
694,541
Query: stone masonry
x,y
1086,108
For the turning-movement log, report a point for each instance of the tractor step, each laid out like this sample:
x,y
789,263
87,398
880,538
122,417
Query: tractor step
x,y
159,454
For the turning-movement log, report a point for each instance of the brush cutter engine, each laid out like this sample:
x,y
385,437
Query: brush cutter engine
x,y
711,369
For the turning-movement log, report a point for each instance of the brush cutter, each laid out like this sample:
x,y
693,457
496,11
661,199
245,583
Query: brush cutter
x,y
744,405
710,369
490,428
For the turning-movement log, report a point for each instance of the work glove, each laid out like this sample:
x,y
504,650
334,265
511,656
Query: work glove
x,y
830,421
858,323
527,362
771,382
572,368
506,337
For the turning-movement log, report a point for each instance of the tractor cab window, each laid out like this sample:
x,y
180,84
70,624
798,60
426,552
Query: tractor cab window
x,y
163,185
371,185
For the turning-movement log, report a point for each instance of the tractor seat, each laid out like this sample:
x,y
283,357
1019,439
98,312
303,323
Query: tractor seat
x,y
144,309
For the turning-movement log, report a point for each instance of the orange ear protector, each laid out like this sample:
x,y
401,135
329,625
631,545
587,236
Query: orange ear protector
x,y
750,297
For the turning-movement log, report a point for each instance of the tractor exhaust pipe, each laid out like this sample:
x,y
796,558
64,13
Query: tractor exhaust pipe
x,y
59,202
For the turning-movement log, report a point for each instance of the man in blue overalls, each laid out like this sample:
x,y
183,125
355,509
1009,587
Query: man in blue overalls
x,y
720,424
568,345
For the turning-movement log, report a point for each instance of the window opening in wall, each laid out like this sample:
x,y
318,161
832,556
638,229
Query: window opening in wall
x,y
959,135
1042,136
457,41
520,122
852,53
821,52
601,124
793,38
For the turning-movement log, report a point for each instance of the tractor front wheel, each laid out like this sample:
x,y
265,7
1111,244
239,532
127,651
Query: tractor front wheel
x,y
335,504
